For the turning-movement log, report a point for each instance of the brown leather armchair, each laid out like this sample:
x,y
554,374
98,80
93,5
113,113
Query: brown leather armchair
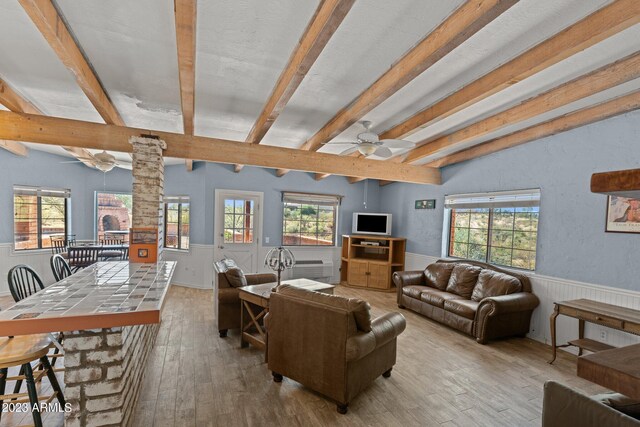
x,y
563,406
329,343
226,294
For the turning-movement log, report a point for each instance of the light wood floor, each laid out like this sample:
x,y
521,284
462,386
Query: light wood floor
x,y
442,378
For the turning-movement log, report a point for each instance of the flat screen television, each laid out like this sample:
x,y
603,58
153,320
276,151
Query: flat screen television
x,y
372,223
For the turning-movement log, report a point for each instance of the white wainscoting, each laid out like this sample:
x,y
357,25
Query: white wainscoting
x,y
550,289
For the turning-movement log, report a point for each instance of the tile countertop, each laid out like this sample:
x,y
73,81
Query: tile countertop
x,y
103,295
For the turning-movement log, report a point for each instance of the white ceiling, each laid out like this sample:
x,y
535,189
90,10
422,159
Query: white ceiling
x,y
242,47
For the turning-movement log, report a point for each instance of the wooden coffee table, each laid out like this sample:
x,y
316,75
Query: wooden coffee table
x,y
254,305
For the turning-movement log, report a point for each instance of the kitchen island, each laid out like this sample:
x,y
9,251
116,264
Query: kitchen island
x,y
109,313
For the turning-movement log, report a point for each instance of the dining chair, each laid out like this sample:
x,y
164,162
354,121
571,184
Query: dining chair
x,y
59,244
23,282
60,267
112,254
81,257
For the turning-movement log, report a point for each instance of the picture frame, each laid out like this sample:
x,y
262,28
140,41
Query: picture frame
x,y
623,215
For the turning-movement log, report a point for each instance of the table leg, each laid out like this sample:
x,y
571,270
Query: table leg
x,y
580,334
243,343
552,325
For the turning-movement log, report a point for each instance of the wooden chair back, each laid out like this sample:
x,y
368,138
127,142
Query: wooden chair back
x,y
60,267
112,240
23,282
81,257
59,244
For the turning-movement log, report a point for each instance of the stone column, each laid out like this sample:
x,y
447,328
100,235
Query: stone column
x,y
148,185
103,373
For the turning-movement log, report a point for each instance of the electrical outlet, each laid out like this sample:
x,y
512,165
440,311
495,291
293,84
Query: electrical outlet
x,y
266,240
603,335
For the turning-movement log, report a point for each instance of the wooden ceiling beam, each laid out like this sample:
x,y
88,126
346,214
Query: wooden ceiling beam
x,y
54,29
19,104
353,179
321,176
585,116
14,102
604,78
186,15
600,25
76,133
324,23
463,23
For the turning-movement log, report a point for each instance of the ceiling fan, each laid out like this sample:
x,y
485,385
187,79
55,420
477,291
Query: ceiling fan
x,y
103,161
368,143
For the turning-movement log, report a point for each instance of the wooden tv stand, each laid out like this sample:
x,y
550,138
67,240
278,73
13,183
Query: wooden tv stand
x,y
368,266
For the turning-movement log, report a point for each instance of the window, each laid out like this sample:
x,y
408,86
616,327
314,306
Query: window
x,y
498,228
113,216
239,216
38,214
176,222
309,219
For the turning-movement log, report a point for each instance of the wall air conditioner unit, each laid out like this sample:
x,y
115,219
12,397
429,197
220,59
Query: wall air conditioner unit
x,y
312,269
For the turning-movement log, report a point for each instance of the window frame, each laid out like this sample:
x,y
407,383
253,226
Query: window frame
x,y
448,241
180,201
67,201
317,205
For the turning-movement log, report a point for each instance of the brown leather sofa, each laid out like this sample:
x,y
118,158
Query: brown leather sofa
x,y
329,343
479,299
229,279
563,406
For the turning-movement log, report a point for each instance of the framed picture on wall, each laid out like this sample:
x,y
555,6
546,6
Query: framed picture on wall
x,y
623,215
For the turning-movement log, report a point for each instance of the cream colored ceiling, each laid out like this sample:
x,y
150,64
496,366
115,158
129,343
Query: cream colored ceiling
x,y
242,46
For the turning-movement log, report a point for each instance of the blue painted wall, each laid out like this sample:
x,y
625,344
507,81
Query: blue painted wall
x,y
46,170
572,243
43,169
201,183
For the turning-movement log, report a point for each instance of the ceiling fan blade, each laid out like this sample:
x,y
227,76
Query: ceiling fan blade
x,y
339,143
124,165
72,161
348,151
383,152
398,143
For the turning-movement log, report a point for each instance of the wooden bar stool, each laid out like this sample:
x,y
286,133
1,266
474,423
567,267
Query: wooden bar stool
x,y
21,351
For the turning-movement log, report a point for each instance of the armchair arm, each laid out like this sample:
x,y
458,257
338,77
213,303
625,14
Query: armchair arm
x,y
383,329
512,303
407,278
257,279
563,406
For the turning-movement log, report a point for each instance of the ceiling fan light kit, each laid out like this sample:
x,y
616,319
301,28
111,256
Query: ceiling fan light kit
x,y
368,143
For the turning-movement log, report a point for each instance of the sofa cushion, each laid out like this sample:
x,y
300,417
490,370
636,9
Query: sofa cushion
x,y
463,279
414,291
620,402
438,274
462,307
236,278
360,309
436,297
492,283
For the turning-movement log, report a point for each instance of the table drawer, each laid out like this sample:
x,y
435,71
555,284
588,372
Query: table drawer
x,y
600,319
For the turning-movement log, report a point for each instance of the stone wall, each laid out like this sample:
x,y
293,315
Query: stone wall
x,y
148,186
103,373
